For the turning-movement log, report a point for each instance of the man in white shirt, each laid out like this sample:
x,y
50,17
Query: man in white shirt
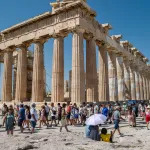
x,y
34,117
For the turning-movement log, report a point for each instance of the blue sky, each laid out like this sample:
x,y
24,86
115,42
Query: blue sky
x,y
131,18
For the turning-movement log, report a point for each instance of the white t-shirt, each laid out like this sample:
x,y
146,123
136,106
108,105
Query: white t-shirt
x,y
33,112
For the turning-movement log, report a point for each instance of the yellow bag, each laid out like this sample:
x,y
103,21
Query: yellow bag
x,y
106,137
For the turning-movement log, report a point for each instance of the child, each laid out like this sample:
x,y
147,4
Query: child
x,y
105,137
9,120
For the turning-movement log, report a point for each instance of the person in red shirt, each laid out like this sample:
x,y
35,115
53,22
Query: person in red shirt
x,y
68,112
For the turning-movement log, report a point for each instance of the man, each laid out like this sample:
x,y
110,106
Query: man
x,y
34,117
21,117
116,118
53,114
96,108
47,110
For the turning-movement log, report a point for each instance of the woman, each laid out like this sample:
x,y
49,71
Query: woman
x,y
130,116
43,116
63,118
9,120
28,116
147,116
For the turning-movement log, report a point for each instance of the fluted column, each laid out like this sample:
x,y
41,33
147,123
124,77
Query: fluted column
x,y
21,78
137,84
78,74
7,77
58,70
132,81
144,87
113,88
127,84
147,89
103,74
141,87
38,73
120,78
91,72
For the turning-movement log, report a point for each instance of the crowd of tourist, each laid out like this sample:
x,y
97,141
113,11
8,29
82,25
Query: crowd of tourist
x,y
29,117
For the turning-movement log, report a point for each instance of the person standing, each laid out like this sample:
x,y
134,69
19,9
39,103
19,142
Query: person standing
x,y
21,117
34,117
43,116
68,112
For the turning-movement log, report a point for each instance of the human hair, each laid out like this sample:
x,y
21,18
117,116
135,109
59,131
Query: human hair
x,y
104,131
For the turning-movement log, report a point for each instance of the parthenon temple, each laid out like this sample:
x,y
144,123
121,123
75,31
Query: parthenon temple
x,y
123,72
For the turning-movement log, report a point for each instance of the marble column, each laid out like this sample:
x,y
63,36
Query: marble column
x,y
58,70
113,88
132,82
38,73
91,72
103,74
127,84
141,87
21,78
120,78
147,89
7,77
78,74
144,87
137,84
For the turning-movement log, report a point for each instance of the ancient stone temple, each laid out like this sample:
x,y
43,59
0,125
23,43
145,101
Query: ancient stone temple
x,y
123,72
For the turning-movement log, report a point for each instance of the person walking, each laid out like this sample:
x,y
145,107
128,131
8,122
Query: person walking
x,y
63,118
147,116
21,117
116,118
34,117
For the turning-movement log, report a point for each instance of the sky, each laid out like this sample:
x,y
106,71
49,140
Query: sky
x,y
131,18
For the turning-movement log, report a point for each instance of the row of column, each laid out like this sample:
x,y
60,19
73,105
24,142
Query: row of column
x,y
117,79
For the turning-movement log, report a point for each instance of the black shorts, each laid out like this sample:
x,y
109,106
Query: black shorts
x,y
53,118
68,116
20,122
59,117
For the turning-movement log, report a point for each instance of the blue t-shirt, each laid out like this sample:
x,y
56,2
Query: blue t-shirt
x,y
105,111
22,113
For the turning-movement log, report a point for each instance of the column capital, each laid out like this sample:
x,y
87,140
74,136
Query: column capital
x,y
100,43
40,40
88,36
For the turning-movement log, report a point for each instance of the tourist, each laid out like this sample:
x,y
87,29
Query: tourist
x,y
124,109
43,116
59,111
34,117
105,111
9,121
76,113
63,119
53,114
68,111
4,110
116,118
28,117
110,112
130,117
21,117
94,133
96,108
47,110
104,136
83,113
147,116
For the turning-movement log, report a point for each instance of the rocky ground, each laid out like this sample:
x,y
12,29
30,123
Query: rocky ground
x,y
51,139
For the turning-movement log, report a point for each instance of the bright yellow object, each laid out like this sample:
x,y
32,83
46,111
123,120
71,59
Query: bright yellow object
x,y
105,137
